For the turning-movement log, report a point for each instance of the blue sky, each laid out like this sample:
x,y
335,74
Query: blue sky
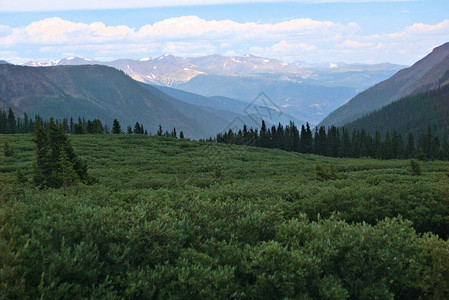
x,y
314,31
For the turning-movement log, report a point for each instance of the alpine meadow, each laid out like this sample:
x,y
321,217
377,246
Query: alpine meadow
x,y
224,149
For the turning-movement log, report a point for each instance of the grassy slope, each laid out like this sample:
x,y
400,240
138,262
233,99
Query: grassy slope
x,y
157,202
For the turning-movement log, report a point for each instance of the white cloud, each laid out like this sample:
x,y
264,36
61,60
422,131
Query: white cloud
x,y
308,39
353,44
58,5
58,31
284,50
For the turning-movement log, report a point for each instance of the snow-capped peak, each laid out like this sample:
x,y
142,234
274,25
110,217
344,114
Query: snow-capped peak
x,y
145,59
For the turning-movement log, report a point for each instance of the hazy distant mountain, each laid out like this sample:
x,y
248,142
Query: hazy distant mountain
x,y
250,114
305,93
4,62
303,101
422,76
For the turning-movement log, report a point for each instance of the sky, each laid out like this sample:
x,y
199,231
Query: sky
x,y
314,31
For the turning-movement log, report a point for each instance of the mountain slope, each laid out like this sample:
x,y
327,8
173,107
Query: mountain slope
x,y
99,92
419,77
230,108
302,101
411,114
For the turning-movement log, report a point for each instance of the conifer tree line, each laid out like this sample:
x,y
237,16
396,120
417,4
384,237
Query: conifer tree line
x,y
10,124
339,142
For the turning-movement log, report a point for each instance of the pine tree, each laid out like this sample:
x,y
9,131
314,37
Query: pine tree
x,y
79,127
12,125
71,125
49,146
129,130
42,168
160,132
3,121
181,135
66,170
345,148
387,147
137,129
116,128
411,145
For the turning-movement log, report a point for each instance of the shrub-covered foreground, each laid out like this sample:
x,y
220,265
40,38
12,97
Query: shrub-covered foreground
x,y
179,219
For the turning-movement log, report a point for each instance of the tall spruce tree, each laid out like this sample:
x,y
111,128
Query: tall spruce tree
x,y
116,128
48,171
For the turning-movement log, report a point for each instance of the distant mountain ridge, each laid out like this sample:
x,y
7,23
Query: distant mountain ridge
x,y
168,69
422,76
304,93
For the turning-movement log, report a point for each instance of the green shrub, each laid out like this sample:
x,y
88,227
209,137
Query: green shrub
x,y
415,168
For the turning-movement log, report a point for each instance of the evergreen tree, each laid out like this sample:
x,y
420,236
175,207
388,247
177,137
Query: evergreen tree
x,y
26,123
71,125
116,128
11,126
129,130
3,121
181,135
49,146
160,132
66,170
264,137
137,129
307,139
345,148
78,127
387,147
65,124
411,145
42,167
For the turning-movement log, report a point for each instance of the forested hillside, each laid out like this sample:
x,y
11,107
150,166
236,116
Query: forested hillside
x,y
413,114
422,76
179,219
101,92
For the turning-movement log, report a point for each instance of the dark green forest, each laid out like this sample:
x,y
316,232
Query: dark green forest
x,y
340,142
172,218
11,124
414,114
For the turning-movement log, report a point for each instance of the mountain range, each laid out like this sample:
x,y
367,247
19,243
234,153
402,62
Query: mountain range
x,y
206,95
304,93
94,91
422,76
